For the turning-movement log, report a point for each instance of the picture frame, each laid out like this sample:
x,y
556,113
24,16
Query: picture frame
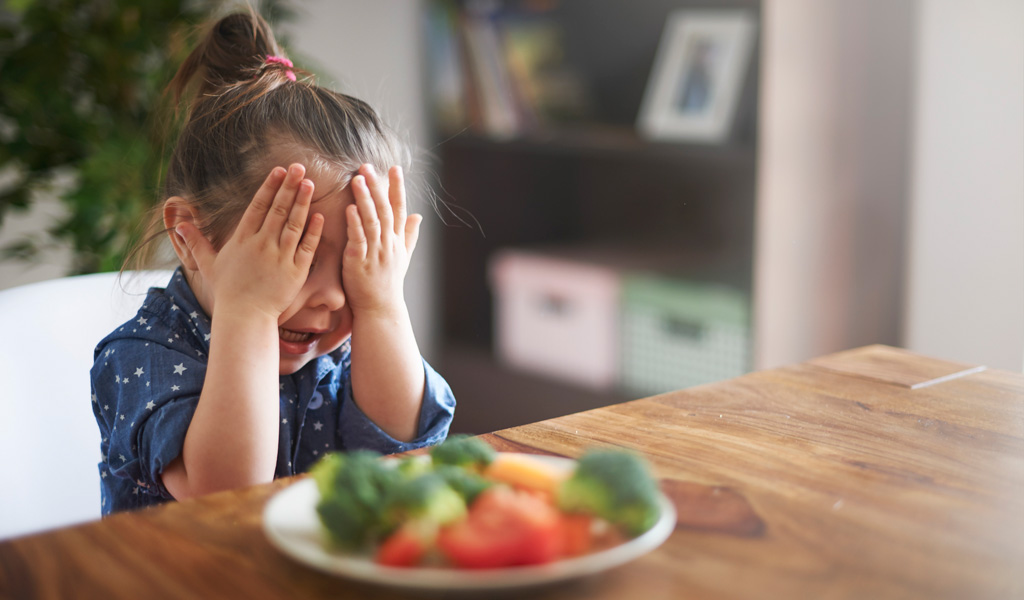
x,y
697,76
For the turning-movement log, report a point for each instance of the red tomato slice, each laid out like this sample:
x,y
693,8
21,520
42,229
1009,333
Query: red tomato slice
x,y
577,536
504,527
405,547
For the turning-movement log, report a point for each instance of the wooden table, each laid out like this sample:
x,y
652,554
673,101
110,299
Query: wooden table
x,y
872,473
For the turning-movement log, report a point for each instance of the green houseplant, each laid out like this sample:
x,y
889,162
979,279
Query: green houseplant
x,y
81,101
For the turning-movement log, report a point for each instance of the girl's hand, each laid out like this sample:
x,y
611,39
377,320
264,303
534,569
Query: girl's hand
x,y
381,240
265,262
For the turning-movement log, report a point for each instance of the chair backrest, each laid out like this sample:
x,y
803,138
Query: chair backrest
x,y
49,440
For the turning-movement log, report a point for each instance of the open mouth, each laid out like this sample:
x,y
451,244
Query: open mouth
x,y
295,337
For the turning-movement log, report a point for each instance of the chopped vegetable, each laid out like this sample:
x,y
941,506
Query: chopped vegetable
x,y
614,485
408,544
505,527
526,471
479,509
410,466
425,497
466,483
577,534
352,491
463,451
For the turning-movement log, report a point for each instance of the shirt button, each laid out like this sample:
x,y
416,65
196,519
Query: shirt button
x,y
317,401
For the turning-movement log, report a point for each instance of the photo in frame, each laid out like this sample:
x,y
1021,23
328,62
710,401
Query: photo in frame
x,y
698,75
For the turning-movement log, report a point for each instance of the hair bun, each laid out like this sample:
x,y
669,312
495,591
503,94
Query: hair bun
x,y
234,50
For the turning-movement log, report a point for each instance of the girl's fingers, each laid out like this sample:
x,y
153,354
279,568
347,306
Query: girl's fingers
x,y
281,207
292,231
198,246
256,212
310,240
378,187
367,210
357,244
412,232
396,194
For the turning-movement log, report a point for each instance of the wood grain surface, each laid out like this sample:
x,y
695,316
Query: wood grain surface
x,y
816,480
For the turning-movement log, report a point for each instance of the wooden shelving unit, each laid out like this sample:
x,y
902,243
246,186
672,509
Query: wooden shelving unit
x,y
592,182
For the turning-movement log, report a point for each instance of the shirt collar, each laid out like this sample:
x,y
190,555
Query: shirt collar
x,y
180,294
181,297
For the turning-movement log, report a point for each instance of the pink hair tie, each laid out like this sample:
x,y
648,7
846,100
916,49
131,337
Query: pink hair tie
x,y
283,61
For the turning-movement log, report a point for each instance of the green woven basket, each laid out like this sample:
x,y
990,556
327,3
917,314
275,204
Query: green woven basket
x,y
677,334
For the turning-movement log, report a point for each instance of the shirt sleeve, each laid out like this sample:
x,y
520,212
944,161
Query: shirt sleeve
x,y
146,394
436,413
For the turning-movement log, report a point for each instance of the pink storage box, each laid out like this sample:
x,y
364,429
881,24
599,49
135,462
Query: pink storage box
x,y
556,316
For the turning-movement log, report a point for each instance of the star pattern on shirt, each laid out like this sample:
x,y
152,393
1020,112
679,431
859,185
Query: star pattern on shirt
x,y
326,380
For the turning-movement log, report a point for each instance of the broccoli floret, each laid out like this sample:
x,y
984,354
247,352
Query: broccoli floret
x,y
424,497
353,487
465,483
463,451
614,485
411,466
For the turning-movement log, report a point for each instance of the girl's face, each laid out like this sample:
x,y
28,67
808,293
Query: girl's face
x,y
319,319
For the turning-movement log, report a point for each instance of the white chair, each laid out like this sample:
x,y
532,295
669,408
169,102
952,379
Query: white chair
x,y
49,441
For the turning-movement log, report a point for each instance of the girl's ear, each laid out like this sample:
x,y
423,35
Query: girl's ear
x,y
178,210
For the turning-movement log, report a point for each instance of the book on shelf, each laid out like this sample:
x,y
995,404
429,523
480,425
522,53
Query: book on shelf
x,y
499,69
447,93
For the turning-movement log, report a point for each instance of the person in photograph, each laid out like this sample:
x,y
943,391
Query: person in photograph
x,y
697,85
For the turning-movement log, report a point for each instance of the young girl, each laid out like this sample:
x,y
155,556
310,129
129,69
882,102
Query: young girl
x,y
284,333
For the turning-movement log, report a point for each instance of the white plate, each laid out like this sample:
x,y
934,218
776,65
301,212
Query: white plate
x,y
293,526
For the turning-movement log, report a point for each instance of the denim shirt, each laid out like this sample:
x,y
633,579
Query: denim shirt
x,y
146,382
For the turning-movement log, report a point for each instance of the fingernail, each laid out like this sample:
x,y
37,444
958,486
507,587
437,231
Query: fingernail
x,y
370,168
178,230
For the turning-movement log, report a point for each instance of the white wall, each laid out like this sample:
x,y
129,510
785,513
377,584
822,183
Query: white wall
x,y
370,49
965,296
834,114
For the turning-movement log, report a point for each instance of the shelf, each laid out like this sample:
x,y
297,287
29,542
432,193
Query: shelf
x,y
573,180
596,140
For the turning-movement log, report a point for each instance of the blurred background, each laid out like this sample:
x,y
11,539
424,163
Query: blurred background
x,y
620,198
